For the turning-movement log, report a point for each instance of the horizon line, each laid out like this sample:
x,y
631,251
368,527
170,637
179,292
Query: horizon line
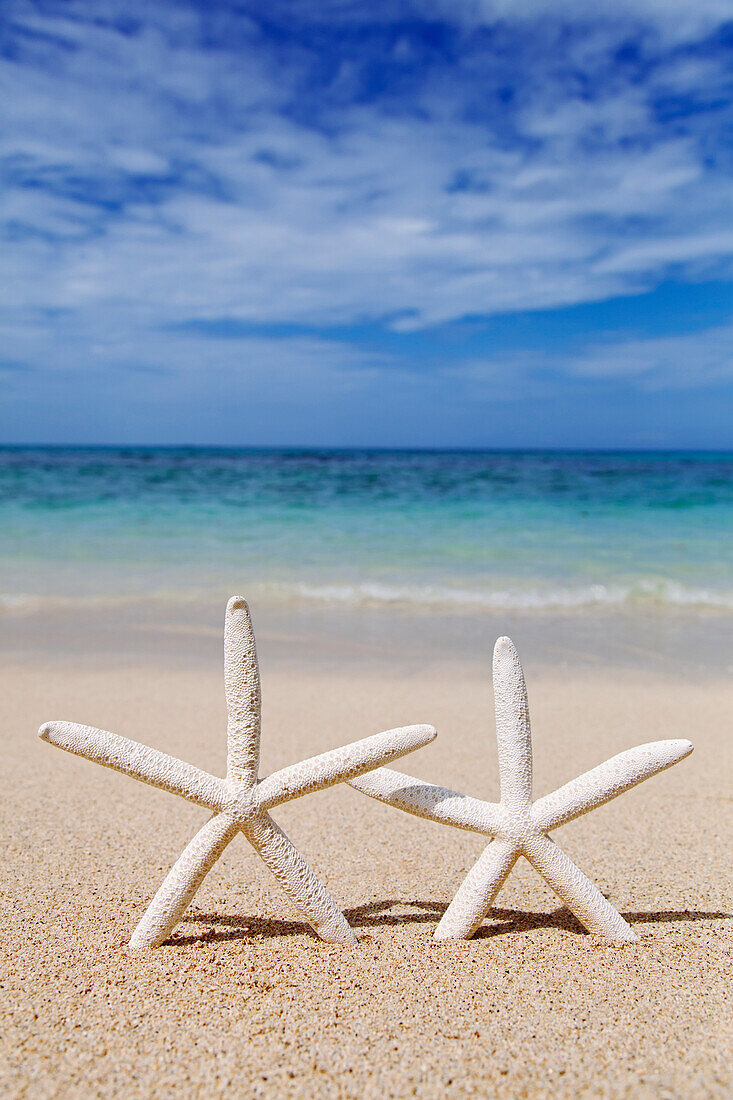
x,y
376,448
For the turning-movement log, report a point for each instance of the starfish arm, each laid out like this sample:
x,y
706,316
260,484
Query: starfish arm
x,y
342,764
138,761
605,782
242,685
513,734
476,893
298,880
182,882
576,890
426,800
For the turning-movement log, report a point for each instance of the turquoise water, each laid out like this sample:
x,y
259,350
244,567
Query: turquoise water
x,y
494,530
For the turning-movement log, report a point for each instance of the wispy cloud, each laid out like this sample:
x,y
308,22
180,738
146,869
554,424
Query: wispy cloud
x,y
651,364
324,164
679,362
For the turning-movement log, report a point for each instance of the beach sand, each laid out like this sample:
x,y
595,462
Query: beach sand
x,y
244,1000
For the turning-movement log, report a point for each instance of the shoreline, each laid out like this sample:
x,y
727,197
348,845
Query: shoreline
x,y
664,642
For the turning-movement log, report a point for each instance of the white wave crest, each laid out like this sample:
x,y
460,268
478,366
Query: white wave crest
x,y
647,593
537,598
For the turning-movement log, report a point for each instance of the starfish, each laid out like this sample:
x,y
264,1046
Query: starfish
x,y
517,826
241,802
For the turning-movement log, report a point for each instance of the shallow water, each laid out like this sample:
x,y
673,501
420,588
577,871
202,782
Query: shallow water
x,y
493,531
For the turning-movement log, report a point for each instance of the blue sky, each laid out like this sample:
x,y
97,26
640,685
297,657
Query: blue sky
x,y
501,223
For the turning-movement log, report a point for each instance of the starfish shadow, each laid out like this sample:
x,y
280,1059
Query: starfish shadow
x,y
224,927
519,920
379,914
241,927
510,920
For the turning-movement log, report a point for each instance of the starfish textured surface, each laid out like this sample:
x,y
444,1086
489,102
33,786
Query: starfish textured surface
x,y
516,825
241,802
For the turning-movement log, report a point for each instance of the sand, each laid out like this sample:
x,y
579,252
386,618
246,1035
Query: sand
x,y
245,1001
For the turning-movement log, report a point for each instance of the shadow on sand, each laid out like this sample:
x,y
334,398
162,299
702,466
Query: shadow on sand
x,y
379,914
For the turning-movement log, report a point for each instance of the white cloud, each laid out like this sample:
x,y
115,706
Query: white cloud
x,y
646,365
669,362
654,255
678,19
151,180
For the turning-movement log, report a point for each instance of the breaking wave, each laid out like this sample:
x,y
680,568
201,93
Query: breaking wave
x,y
538,598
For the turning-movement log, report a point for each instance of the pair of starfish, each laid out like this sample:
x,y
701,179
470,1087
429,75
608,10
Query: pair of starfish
x,y
241,802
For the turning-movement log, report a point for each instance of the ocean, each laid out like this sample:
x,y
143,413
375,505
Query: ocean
x,y
526,531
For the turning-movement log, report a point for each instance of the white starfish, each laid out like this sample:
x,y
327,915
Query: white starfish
x,y
240,802
517,826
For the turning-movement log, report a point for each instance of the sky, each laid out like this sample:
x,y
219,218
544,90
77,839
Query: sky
x,y
501,223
